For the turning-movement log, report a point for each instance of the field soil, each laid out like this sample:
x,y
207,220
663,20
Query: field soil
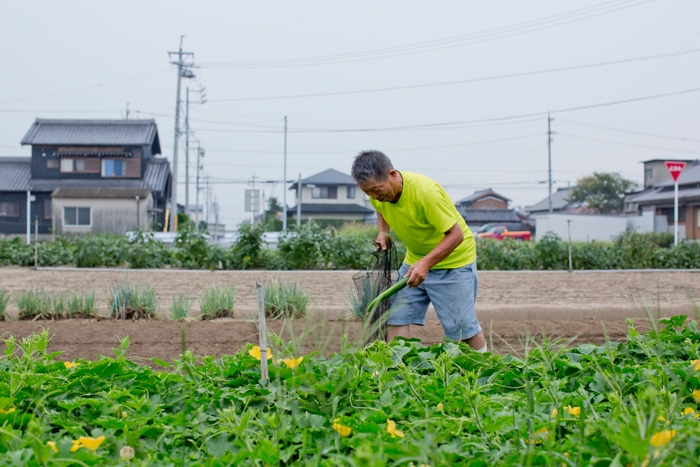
x,y
579,306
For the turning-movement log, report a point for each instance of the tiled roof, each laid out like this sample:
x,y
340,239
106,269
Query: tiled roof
x,y
663,195
559,202
157,174
15,173
488,215
327,177
480,194
93,132
313,208
100,192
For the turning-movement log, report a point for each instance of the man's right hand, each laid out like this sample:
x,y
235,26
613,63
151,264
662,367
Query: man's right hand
x,y
383,241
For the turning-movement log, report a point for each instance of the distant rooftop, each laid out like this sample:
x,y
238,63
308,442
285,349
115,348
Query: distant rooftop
x,y
93,132
15,173
327,177
480,194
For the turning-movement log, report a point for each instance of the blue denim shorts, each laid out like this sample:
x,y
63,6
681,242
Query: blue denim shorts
x,y
452,293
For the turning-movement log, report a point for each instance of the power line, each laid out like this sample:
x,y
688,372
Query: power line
x,y
454,82
652,135
628,144
440,44
462,123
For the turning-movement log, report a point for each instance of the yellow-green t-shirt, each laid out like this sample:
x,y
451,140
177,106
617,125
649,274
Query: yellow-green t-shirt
x,y
421,217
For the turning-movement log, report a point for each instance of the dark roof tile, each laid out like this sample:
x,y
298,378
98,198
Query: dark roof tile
x,y
15,173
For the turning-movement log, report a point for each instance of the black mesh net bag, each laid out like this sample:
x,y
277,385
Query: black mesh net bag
x,y
368,285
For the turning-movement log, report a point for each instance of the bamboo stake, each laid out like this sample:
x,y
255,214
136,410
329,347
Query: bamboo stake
x,y
262,327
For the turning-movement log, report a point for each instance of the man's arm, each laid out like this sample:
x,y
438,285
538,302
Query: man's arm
x,y
419,270
383,241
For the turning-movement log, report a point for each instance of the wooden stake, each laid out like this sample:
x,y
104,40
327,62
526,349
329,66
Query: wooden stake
x,y
262,327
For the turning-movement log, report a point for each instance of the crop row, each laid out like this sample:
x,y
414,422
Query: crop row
x,y
139,302
400,404
314,247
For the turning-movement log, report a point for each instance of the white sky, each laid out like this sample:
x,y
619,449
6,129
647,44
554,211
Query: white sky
x,y
55,54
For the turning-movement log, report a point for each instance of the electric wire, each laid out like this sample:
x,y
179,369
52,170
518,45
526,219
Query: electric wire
x,y
438,44
621,143
651,135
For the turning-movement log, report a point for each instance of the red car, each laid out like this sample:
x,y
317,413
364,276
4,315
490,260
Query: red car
x,y
499,232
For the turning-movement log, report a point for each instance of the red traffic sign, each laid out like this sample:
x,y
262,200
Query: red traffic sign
x,y
675,169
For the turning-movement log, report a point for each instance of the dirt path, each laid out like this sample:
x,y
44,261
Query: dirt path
x,y
510,305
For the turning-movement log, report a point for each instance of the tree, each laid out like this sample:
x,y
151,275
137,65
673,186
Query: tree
x,y
271,222
603,191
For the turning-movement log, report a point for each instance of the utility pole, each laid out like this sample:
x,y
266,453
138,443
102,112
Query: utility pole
x,y
127,112
284,186
187,150
200,154
549,150
299,201
183,71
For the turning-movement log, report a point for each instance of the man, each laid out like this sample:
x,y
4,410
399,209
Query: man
x,y
441,253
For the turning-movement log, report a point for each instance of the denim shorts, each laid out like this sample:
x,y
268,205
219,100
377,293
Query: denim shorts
x,y
452,293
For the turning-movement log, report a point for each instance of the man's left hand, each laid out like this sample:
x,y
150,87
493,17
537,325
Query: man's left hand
x,y
417,273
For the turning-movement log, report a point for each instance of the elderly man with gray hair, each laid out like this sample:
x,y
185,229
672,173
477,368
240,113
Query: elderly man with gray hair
x,y
440,257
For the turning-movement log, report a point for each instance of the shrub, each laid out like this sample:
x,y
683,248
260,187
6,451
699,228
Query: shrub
x,y
100,250
4,300
246,251
305,247
192,250
81,305
505,255
145,252
218,302
34,304
57,253
16,252
285,300
127,302
180,308
551,253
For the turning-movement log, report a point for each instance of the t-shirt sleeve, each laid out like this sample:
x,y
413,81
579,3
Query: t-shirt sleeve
x,y
439,210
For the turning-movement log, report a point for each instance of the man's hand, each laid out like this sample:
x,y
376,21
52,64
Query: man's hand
x,y
383,241
417,273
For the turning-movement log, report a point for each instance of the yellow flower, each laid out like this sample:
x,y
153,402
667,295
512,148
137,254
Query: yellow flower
x,y
342,429
255,352
127,453
555,412
695,364
52,445
291,362
440,407
662,438
689,411
391,429
70,364
540,434
87,442
10,410
696,395
575,411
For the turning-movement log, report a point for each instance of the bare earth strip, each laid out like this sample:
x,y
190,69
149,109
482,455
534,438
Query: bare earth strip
x,y
510,305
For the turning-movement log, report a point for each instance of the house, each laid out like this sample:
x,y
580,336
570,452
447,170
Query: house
x,y
330,195
484,199
655,171
86,176
560,203
659,199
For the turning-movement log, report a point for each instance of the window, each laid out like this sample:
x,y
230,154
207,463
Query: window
x,y
81,165
76,217
670,215
47,209
51,163
328,192
351,192
121,168
9,209
649,174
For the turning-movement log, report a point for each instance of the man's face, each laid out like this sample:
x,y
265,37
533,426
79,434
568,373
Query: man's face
x,y
383,191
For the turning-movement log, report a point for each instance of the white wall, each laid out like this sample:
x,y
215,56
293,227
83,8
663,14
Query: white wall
x,y
359,199
643,223
584,227
108,215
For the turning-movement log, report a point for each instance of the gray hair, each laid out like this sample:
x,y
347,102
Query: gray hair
x,y
371,164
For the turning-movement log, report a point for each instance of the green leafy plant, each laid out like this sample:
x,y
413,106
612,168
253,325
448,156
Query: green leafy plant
x,y
285,300
145,252
305,247
246,251
127,302
4,300
193,251
218,302
81,305
180,308
34,304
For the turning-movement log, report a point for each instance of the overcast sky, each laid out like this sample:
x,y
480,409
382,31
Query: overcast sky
x,y
80,59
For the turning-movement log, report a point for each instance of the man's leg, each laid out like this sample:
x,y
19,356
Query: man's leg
x,y
476,342
397,331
